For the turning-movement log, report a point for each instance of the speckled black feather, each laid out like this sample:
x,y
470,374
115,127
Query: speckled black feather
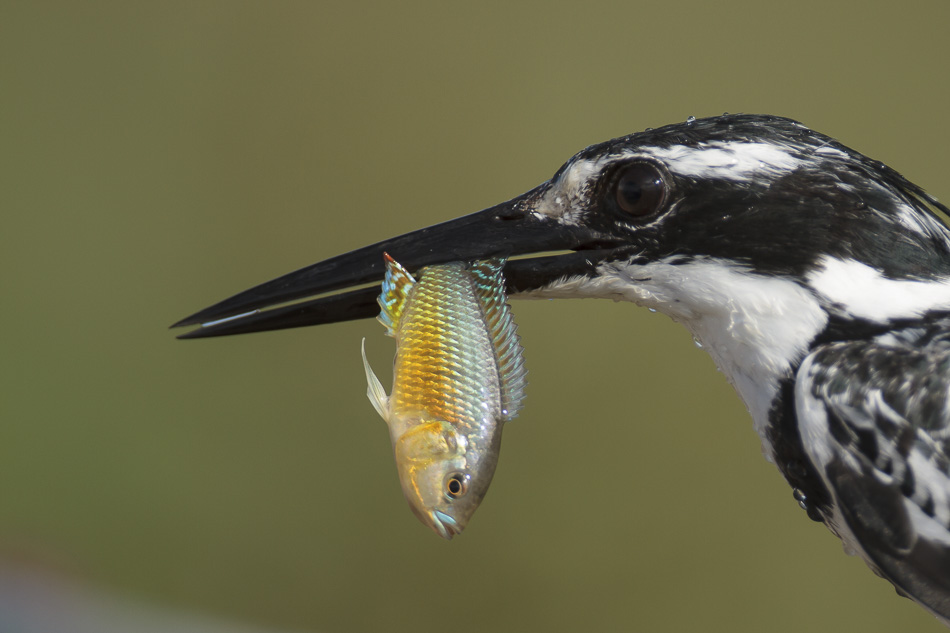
x,y
887,399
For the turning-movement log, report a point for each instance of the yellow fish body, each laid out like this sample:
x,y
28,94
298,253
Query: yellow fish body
x,y
459,375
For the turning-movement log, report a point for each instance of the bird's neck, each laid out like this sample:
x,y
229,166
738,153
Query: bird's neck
x,y
756,328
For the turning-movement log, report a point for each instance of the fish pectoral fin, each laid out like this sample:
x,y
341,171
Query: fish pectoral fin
x,y
374,389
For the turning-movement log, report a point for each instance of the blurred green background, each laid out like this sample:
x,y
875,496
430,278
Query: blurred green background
x,y
157,157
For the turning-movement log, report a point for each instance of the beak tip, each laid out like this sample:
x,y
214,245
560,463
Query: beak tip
x,y
182,323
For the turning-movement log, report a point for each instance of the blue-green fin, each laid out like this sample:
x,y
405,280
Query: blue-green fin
x,y
489,282
392,298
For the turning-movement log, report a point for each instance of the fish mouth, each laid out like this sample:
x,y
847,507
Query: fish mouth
x,y
444,525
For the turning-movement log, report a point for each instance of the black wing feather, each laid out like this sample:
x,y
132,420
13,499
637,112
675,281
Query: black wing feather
x,y
874,420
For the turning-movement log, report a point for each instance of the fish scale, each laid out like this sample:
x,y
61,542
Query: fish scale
x,y
458,377
443,351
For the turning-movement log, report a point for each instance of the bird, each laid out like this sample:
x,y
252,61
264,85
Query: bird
x,y
817,278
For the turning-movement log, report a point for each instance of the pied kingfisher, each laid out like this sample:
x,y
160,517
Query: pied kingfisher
x,y
818,279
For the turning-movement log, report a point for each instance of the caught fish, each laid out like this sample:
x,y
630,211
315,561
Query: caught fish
x,y
459,375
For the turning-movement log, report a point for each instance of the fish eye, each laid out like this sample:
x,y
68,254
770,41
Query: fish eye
x,y
640,189
456,485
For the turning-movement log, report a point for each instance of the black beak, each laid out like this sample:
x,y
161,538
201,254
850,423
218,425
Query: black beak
x,y
507,230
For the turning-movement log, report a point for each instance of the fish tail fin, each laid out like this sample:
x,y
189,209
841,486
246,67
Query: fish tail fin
x,y
374,389
392,297
490,288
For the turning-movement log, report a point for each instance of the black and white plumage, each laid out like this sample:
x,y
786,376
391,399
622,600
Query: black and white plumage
x,y
816,278
873,419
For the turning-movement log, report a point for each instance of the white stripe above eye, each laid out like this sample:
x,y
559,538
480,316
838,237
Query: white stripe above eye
x,y
735,160
862,291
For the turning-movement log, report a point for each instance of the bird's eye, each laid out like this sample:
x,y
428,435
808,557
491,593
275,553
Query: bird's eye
x,y
456,485
640,189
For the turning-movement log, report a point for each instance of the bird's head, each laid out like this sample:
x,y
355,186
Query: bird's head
x,y
756,232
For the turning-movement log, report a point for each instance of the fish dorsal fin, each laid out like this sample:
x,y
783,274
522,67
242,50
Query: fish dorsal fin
x,y
392,297
489,282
